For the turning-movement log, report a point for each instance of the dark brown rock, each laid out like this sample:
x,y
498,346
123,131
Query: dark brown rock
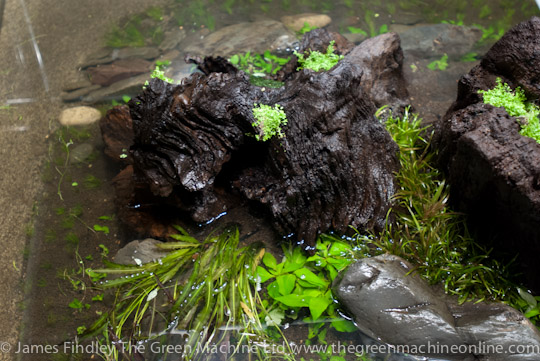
x,y
493,170
117,132
105,75
514,59
142,211
334,167
381,61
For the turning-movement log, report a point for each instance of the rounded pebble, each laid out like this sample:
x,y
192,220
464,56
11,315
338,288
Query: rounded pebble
x,y
82,115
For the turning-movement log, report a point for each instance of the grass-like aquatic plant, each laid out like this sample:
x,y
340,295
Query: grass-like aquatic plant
x,y
200,287
427,233
516,105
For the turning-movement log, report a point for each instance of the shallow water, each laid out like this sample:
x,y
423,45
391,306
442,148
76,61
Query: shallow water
x,y
52,204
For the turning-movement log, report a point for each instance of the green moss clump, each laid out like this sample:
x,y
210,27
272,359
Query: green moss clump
x,y
266,83
318,61
269,121
516,105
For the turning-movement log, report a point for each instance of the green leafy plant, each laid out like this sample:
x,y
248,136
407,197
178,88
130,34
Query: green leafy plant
x,y
439,64
318,61
268,121
125,99
299,282
516,105
460,18
258,64
369,16
78,305
104,250
490,33
306,28
354,30
99,297
469,57
99,228
159,73
91,182
529,305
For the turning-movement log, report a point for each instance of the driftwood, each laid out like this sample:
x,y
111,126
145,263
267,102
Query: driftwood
x,y
193,146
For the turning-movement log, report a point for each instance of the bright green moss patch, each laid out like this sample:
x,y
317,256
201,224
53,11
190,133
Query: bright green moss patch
x,y
516,105
269,120
318,61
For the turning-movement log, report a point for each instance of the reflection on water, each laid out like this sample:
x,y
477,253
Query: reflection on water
x,y
49,50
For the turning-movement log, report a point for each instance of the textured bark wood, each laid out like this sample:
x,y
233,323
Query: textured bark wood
x,y
193,146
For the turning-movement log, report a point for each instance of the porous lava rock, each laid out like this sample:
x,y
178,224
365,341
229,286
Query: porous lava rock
x,y
494,171
193,148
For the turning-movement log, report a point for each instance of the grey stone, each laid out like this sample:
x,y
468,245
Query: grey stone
x,y
496,325
172,39
355,37
80,153
108,55
393,308
83,82
147,53
79,93
255,37
433,41
139,252
130,86
102,56
398,308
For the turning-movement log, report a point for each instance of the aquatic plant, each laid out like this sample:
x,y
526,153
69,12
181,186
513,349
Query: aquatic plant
x,y
301,281
439,64
369,16
135,31
318,61
194,14
258,64
269,120
201,287
427,233
354,30
306,28
516,105
158,73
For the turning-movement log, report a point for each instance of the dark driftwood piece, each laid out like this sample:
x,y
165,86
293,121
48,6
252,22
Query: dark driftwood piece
x,y
335,166
493,170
